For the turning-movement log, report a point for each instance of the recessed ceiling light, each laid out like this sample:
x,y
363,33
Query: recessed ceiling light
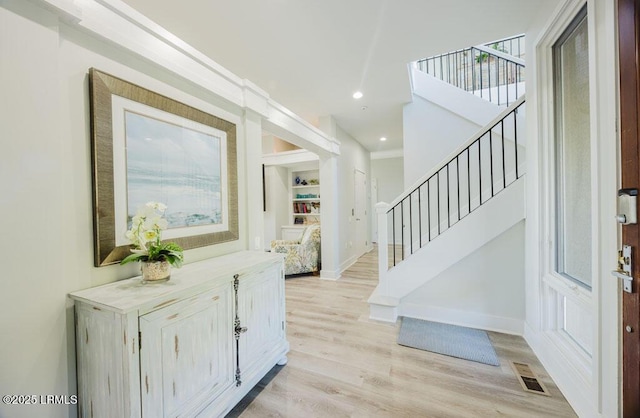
x,y
357,95
383,139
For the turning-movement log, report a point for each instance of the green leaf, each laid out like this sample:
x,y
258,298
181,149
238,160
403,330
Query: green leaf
x,y
134,257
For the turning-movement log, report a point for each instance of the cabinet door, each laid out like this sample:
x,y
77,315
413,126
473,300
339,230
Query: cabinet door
x,y
187,355
261,311
102,369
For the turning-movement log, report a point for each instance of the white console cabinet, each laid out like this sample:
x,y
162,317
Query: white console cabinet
x,y
193,346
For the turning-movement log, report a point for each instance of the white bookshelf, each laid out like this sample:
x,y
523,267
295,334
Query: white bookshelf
x,y
305,197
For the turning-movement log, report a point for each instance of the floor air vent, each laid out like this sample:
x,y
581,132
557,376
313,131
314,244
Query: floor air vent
x,y
528,379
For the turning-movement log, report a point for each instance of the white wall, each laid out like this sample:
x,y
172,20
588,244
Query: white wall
x,y
46,191
430,133
484,290
438,120
353,156
389,176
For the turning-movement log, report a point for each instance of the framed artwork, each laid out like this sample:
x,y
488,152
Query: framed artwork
x,y
148,147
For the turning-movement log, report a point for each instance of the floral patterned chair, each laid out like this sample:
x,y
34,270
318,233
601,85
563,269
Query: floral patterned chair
x,y
303,255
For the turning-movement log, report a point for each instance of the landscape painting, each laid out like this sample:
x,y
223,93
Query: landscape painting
x,y
175,165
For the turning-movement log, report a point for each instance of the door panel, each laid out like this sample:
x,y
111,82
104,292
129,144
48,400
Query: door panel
x,y
360,212
260,311
187,354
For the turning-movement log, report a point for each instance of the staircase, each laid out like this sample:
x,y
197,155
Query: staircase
x,y
471,197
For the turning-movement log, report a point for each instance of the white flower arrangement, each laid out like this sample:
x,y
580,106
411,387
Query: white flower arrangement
x,y
146,235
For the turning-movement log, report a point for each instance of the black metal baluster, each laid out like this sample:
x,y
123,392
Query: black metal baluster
x,y
410,226
458,58
469,177
508,81
473,71
459,69
481,83
393,226
458,182
453,69
491,158
455,73
489,74
498,77
505,64
517,80
448,201
429,207
402,228
480,170
515,137
420,216
504,169
466,72
438,180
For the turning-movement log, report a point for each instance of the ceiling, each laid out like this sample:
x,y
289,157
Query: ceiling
x,y
312,55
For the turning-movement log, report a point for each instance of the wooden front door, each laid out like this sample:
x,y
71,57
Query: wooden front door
x,y
629,49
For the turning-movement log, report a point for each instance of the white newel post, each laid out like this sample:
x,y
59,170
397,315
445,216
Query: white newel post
x,y
383,246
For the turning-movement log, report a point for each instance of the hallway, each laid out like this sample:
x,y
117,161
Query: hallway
x,y
342,364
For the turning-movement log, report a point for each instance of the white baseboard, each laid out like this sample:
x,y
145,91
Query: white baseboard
x,y
329,274
573,386
383,313
463,318
348,263
335,275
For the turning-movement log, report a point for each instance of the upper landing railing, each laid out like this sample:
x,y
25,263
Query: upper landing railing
x,y
479,169
494,71
513,46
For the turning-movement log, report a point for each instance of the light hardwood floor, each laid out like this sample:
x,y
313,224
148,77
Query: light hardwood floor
x,y
342,364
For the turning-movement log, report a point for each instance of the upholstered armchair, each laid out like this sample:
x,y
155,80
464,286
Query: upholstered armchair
x,y
303,255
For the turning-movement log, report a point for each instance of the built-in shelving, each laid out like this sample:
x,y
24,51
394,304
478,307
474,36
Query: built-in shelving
x,y
305,197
